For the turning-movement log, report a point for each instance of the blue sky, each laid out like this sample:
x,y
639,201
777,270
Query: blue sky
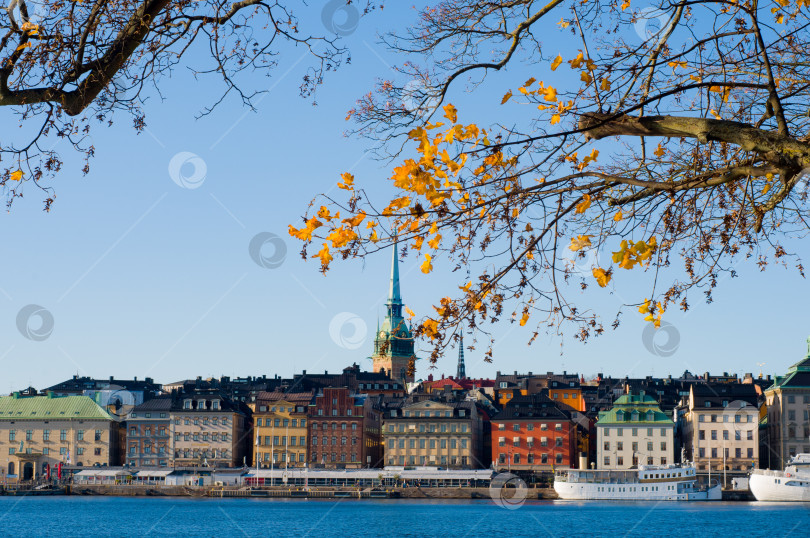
x,y
146,278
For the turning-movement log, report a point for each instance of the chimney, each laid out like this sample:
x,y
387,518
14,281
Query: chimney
x,y
49,394
303,372
111,378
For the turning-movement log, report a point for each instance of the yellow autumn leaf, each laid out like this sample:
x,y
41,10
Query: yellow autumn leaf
x,y
324,255
563,23
766,188
576,62
555,119
530,82
585,77
16,176
427,266
556,63
506,97
430,327
450,113
660,151
602,277
409,312
524,319
617,217
348,182
579,242
434,243
645,307
605,85
584,204
625,4
550,94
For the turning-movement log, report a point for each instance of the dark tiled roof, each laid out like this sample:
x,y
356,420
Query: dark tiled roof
x,y
160,403
719,393
534,406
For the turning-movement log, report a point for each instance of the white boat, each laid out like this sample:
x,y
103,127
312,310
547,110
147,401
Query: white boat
x,y
647,483
792,484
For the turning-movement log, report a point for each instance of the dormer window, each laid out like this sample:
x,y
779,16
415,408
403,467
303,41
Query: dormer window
x,y
708,404
650,416
461,412
187,404
215,404
201,404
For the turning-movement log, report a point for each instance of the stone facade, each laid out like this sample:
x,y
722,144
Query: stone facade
x,y
635,431
207,429
431,432
281,429
788,401
40,431
344,430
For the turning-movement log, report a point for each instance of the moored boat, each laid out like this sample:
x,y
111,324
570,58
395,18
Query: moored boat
x,y
790,485
647,483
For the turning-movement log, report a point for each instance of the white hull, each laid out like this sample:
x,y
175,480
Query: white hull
x,y
777,486
662,491
647,483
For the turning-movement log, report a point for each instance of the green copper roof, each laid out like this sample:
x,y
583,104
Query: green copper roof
x,y
798,375
634,409
47,408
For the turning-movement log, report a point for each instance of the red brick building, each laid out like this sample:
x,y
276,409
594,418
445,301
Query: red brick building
x,y
344,430
534,433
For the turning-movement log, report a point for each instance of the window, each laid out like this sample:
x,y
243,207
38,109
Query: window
x,y
620,461
46,435
607,460
63,435
607,445
559,441
12,435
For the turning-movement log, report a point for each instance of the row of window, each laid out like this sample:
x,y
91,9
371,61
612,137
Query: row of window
x,y
62,451
147,415
517,459
282,440
282,457
281,409
147,449
726,418
792,414
429,428
516,441
530,427
738,435
738,452
147,431
281,423
205,421
791,398
620,460
426,460
427,414
46,435
333,457
201,453
202,404
334,439
634,431
634,446
214,437
325,426
425,443
556,395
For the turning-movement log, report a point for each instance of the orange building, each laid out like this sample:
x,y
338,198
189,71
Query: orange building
x,y
533,433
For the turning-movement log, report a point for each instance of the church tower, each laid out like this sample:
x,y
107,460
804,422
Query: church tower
x,y
393,344
461,372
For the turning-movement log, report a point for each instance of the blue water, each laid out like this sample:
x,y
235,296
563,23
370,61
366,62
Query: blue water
x,y
141,516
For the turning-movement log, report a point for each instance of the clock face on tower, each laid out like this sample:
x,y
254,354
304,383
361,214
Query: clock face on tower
x,y
382,334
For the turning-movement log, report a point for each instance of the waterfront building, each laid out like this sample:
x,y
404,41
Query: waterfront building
x,y
788,401
117,396
281,429
566,391
357,381
534,433
393,342
344,429
148,440
208,429
720,426
432,432
634,431
39,432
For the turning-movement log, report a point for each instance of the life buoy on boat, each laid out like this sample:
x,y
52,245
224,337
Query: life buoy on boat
x,y
787,475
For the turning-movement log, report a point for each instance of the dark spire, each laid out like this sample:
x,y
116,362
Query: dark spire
x,y
461,371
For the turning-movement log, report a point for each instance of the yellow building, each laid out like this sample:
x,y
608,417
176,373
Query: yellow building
x,y
280,429
37,431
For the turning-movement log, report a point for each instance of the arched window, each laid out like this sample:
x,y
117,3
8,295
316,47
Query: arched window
x,y
11,468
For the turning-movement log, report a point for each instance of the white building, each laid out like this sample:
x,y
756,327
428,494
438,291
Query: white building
x,y
634,432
